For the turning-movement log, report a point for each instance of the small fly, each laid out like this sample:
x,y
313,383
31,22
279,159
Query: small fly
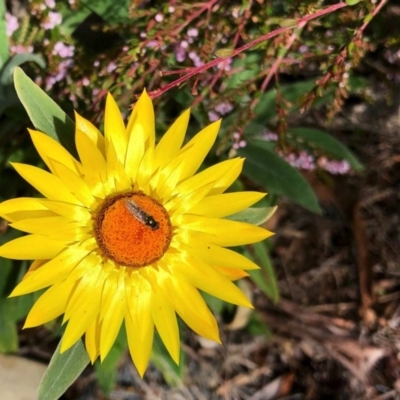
x,y
141,215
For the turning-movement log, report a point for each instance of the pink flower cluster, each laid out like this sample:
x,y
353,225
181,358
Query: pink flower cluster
x,y
63,50
303,160
12,24
238,141
335,167
53,19
220,110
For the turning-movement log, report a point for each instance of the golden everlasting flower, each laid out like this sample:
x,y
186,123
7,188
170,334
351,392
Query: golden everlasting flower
x,y
129,233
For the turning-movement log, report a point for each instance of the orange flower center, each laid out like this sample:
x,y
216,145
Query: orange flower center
x,y
133,229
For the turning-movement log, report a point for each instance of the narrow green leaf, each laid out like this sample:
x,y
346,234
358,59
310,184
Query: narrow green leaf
x,y
255,215
6,73
287,23
264,278
45,113
322,140
352,2
63,371
270,171
172,373
106,371
8,329
3,34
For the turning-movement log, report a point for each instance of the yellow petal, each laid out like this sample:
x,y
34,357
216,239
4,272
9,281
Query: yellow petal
x,y
114,129
219,256
47,184
92,340
46,226
90,155
91,132
221,205
139,323
164,318
50,304
114,316
142,119
49,148
169,145
195,151
24,207
53,271
221,174
77,186
195,312
224,232
70,211
83,309
206,278
32,247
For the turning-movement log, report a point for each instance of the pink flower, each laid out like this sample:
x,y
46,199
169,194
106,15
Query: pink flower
x,y
159,17
50,3
20,49
12,24
63,50
111,67
213,116
53,19
193,32
223,108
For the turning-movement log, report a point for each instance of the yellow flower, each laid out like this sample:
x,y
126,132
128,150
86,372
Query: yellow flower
x,y
130,232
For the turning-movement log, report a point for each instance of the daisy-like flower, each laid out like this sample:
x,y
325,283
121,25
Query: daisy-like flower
x,y
130,233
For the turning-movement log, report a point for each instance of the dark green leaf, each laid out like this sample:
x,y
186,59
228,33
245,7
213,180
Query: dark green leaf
x,y
110,10
62,371
268,170
8,329
106,371
322,140
255,215
45,113
172,373
264,278
6,73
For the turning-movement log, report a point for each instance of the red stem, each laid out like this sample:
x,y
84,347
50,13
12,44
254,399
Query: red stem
x,y
216,61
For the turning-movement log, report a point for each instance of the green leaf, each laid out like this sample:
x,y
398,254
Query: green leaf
x,y
352,2
45,113
255,215
172,373
264,278
110,10
6,73
63,371
3,34
8,330
318,139
270,171
106,371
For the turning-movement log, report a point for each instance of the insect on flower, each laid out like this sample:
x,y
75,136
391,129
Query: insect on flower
x,y
141,215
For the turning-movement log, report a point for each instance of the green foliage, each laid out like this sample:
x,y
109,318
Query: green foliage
x,y
319,140
62,371
269,171
106,371
264,278
45,113
255,216
172,373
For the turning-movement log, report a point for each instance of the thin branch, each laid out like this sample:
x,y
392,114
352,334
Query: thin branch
x,y
194,71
